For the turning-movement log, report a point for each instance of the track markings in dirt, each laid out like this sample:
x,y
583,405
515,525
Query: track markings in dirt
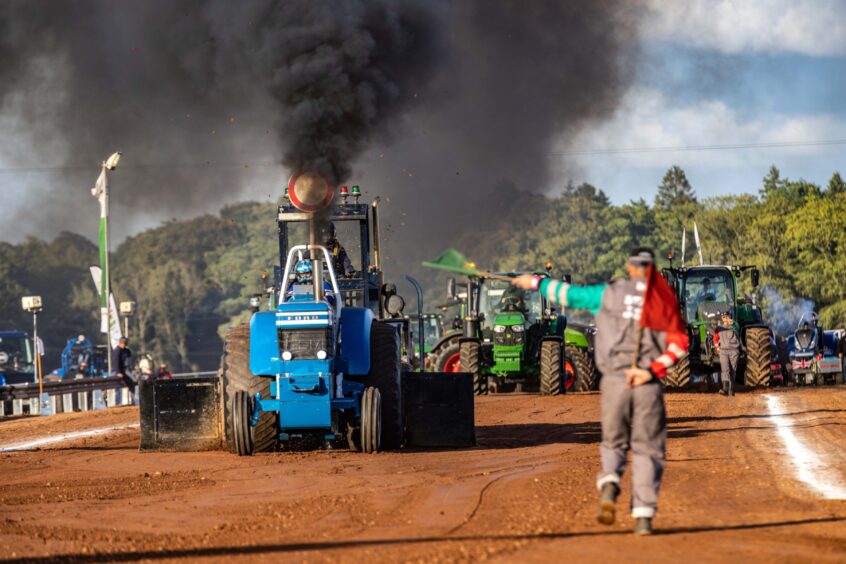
x,y
46,441
811,467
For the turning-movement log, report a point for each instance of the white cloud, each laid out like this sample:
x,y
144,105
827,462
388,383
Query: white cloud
x,y
815,28
647,119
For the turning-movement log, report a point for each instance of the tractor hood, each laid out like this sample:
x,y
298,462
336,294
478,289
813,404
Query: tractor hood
x,y
509,319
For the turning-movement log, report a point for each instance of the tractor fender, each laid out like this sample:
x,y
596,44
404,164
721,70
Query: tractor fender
x,y
264,344
444,341
575,337
355,340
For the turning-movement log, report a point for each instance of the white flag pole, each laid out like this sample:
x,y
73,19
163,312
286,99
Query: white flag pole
x,y
684,236
698,246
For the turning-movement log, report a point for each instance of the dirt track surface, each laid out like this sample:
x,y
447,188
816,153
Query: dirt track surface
x,y
526,493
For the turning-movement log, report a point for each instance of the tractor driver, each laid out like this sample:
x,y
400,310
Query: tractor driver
x,y
304,283
340,260
512,301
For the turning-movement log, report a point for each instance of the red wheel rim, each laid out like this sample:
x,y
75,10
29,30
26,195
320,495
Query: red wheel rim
x,y
569,375
453,363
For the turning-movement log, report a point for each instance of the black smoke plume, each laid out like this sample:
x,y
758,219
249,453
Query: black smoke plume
x,y
430,103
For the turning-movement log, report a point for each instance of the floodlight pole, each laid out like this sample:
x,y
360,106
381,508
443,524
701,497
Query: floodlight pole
x,y
37,363
108,288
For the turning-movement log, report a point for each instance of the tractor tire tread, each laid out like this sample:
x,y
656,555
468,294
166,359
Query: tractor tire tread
x,y
759,356
386,375
551,368
471,362
235,375
585,370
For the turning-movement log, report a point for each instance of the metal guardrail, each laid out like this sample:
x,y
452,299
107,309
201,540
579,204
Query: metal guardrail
x,y
29,391
80,394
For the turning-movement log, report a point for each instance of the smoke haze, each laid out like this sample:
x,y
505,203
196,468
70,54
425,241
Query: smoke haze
x,y
432,104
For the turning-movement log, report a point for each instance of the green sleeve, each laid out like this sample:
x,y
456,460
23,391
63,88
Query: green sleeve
x,y
577,297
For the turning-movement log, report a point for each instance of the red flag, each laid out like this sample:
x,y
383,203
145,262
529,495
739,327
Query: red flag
x,y
660,307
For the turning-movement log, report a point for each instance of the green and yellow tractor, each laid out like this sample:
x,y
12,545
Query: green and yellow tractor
x,y
512,339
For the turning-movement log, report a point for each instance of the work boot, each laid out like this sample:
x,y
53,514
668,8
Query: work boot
x,y
607,499
724,390
643,526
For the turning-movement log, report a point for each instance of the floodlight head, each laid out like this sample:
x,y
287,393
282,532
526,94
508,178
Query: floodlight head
x,y
31,304
112,162
127,308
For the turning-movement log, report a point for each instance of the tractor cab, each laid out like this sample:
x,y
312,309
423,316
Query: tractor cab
x,y
16,358
345,231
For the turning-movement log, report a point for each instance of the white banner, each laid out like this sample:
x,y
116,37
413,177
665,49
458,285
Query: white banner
x,y
115,333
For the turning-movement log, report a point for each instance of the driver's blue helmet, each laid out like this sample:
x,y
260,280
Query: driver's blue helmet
x,y
304,271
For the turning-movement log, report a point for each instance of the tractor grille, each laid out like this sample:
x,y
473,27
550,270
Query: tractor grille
x,y
804,338
303,344
508,338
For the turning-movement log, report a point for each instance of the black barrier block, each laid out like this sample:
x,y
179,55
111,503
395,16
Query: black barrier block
x,y
181,414
439,409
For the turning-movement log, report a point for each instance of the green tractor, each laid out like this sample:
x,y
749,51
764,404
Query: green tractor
x,y
515,339
704,294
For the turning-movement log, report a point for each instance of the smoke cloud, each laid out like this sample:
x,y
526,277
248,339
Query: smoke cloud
x,y
432,104
784,313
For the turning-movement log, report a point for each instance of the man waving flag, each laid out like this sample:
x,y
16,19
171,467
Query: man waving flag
x,y
639,337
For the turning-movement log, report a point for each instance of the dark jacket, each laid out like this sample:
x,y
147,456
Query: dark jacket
x,y
120,360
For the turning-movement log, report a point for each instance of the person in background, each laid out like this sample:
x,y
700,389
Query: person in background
x,y
121,359
164,372
727,345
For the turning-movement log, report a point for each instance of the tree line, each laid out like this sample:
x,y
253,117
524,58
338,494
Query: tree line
x,y
192,278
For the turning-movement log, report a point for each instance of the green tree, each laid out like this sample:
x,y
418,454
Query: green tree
x,y
674,190
836,185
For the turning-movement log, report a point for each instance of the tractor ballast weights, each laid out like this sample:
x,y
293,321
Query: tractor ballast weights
x,y
327,363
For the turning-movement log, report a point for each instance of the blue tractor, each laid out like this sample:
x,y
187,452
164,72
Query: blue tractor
x,y
326,362
81,358
816,355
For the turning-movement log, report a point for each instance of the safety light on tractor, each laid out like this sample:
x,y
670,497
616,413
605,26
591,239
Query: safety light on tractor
x,y
356,192
344,192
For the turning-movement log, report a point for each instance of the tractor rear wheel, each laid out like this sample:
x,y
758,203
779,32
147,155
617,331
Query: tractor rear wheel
x,y
583,365
241,412
235,375
678,377
449,358
371,420
386,375
551,368
471,362
759,356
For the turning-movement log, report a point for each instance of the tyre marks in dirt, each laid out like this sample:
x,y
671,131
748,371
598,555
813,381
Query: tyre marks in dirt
x,y
810,452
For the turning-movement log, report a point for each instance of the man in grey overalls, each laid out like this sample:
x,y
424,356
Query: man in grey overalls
x,y
632,398
727,344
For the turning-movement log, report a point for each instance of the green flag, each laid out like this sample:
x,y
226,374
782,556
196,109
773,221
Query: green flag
x,y
453,261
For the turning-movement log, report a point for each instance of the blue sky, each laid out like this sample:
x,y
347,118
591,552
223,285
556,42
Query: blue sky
x,y
725,72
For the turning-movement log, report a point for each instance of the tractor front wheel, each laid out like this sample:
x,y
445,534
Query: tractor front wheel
x,y
371,420
551,368
471,362
243,433
759,356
